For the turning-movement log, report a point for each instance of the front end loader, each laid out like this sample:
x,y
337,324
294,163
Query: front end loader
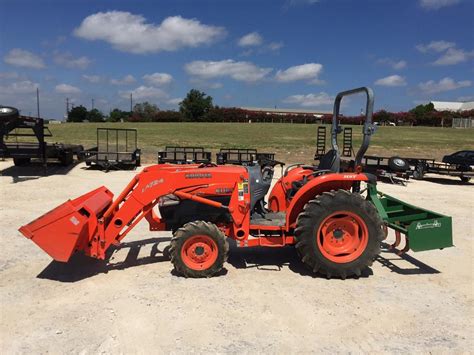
x,y
336,220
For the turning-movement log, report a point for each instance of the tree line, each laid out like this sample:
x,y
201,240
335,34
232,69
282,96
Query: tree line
x,y
198,107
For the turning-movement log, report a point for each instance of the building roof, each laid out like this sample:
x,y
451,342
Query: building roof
x,y
453,105
286,111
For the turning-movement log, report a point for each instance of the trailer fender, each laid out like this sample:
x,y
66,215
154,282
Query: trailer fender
x,y
316,187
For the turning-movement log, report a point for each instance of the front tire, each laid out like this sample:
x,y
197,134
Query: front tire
x,y
198,249
339,234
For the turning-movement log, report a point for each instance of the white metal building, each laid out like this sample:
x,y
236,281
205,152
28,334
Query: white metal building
x,y
453,106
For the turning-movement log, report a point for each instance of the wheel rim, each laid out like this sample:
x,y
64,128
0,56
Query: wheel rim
x,y
342,237
199,252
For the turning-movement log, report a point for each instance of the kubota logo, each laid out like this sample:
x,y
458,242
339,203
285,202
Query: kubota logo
x,y
152,183
428,225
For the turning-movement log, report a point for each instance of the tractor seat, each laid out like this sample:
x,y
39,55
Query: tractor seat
x,y
259,184
330,161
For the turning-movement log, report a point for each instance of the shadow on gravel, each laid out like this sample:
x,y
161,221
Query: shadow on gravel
x,y
389,259
445,181
35,171
81,267
274,259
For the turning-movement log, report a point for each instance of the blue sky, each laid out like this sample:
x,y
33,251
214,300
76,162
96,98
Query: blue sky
x,y
288,53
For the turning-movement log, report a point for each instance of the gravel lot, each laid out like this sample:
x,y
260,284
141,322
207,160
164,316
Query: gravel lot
x,y
265,302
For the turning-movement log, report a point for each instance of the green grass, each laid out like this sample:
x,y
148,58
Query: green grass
x,y
291,142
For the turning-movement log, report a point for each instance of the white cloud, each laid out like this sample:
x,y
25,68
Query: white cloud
x,y
453,56
20,87
144,93
445,84
67,89
158,79
309,71
435,46
22,58
131,33
250,40
394,64
274,46
392,80
94,79
176,101
437,4
126,80
310,100
241,71
67,60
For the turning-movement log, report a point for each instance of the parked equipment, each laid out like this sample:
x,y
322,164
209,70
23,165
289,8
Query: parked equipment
x,y
14,130
245,157
320,143
336,225
421,166
184,155
117,148
393,169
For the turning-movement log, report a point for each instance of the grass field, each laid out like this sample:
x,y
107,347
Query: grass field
x,y
291,142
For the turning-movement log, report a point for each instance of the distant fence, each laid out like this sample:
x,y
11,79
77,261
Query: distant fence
x,y
463,122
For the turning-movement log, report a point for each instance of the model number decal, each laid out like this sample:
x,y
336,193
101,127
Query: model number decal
x,y
152,183
198,176
350,176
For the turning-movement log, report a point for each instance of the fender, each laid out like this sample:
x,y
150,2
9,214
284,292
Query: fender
x,y
315,187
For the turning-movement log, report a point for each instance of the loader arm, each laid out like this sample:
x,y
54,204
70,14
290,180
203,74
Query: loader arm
x,y
96,229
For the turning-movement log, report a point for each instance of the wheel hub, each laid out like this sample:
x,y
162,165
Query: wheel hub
x,y
342,237
199,252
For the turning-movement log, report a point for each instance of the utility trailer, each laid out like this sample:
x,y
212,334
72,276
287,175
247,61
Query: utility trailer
x,y
117,148
239,156
184,155
15,130
336,220
419,167
393,169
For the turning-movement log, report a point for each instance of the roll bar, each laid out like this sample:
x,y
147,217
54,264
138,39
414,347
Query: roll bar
x,y
368,128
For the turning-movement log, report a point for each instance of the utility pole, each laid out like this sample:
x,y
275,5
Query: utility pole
x,y
67,105
37,102
92,104
131,102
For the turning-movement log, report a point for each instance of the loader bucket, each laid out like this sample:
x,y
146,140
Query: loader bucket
x,y
69,227
423,229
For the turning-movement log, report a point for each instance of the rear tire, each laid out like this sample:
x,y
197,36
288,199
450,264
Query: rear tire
x,y
198,249
338,234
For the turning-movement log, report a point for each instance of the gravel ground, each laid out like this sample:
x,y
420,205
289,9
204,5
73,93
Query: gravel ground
x,y
265,302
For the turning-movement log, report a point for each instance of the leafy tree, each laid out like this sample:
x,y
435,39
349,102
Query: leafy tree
x,y
195,105
117,115
77,114
421,112
95,115
144,112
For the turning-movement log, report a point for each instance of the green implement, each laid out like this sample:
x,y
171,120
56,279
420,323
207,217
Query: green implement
x,y
423,229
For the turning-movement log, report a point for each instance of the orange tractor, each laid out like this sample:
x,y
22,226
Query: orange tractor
x,y
336,220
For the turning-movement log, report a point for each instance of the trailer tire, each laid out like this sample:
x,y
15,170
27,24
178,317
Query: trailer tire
x,y
398,164
418,172
198,249
339,234
465,179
